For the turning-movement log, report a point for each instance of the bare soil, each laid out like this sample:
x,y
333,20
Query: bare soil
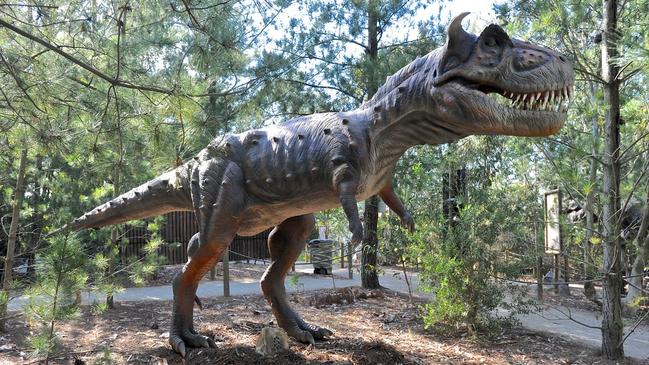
x,y
370,328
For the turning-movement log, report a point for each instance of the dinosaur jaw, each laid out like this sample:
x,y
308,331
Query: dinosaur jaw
x,y
488,109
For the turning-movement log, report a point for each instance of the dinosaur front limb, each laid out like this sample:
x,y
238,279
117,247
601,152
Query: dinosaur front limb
x,y
391,199
285,243
347,196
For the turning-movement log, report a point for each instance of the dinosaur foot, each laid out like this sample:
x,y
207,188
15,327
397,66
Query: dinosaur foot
x,y
308,333
180,342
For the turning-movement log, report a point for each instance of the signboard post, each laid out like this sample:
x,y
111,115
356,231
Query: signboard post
x,y
553,239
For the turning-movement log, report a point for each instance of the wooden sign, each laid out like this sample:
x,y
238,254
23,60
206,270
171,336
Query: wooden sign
x,y
552,208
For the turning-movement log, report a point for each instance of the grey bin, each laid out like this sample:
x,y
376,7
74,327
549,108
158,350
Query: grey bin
x,y
321,255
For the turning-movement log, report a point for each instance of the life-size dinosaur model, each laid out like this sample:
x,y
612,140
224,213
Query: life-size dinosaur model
x,y
277,176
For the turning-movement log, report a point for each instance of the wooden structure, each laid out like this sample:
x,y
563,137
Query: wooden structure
x,y
176,231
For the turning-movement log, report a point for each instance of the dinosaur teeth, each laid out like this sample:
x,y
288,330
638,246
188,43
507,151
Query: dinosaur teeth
x,y
549,100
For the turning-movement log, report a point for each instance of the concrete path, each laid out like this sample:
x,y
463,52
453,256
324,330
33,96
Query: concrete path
x,y
551,320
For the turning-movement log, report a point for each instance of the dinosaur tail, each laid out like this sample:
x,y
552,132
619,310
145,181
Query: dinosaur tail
x,y
166,193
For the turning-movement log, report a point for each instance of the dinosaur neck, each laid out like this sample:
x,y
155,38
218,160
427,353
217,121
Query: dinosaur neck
x,y
403,118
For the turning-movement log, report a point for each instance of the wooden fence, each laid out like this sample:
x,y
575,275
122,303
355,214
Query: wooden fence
x,y
177,230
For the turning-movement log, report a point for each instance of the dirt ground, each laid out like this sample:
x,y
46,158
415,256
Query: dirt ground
x,y
370,328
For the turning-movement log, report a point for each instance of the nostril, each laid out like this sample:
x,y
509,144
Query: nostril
x,y
563,59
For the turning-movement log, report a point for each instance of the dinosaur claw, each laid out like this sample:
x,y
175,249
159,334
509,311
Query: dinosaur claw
x,y
408,222
357,233
178,345
310,339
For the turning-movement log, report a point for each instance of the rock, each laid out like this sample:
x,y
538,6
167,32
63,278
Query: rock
x,y
271,341
6,347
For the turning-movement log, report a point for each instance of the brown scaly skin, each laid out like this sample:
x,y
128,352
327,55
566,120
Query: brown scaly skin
x,y
279,175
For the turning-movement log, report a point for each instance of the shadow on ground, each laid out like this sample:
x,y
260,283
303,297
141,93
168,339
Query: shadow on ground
x,y
363,353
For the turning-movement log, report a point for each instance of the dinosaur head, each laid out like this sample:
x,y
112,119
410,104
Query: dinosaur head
x,y
493,84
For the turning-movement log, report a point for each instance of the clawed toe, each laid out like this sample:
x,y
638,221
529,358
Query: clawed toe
x,y
179,343
304,337
320,333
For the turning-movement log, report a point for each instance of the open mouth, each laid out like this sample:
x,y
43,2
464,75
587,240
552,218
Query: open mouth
x,y
555,101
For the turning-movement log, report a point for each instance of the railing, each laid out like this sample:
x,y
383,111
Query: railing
x,y
177,230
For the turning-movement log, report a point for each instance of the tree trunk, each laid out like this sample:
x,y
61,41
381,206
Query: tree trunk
x,y
589,287
369,275
612,326
13,233
114,240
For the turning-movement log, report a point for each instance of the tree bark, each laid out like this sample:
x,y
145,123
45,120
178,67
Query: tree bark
x,y
612,326
589,287
369,275
114,240
13,233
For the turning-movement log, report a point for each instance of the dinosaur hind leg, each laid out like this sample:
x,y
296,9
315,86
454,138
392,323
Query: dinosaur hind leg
x,y
204,250
285,243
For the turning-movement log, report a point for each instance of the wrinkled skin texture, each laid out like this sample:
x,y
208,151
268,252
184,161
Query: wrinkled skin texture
x,y
279,175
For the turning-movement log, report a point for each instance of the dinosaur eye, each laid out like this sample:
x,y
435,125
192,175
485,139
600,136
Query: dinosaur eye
x,y
490,42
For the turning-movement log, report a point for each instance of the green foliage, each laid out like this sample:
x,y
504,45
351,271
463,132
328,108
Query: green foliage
x,y
60,277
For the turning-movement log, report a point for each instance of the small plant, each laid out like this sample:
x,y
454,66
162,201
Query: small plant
x,y
60,275
294,281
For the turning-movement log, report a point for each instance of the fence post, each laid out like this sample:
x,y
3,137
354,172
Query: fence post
x,y
226,273
539,266
350,267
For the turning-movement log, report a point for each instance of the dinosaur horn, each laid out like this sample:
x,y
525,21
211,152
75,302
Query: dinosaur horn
x,y
457,34
459,44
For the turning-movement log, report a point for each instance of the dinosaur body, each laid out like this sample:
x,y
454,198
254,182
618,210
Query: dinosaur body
x,y
279,175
